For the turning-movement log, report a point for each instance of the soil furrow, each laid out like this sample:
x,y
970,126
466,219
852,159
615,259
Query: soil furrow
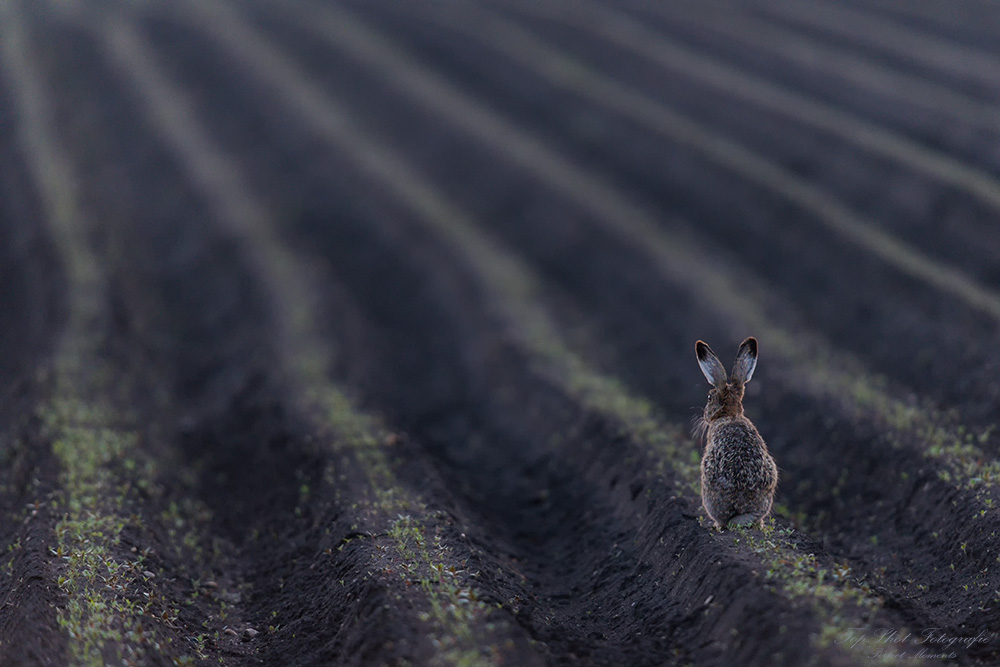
x,y
948,60
968,23
768,255
420,540
32,311
361,336
400,178
821,205
863,443
290,474
615,27
119,599
875,87
556,524
474,440
619,317
681,260
960,245
774,121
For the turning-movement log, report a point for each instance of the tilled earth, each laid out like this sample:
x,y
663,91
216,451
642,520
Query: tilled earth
x,y
362,332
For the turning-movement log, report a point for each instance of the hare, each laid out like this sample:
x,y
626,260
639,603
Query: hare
x,y
738,475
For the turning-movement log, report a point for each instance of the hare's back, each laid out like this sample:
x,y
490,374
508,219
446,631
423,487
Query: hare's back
x,y
738,454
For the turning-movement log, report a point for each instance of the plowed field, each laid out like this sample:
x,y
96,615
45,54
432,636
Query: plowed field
x,y
362,332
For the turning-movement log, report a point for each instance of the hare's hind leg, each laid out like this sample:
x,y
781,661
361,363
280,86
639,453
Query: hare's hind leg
x,y
714,507
719,507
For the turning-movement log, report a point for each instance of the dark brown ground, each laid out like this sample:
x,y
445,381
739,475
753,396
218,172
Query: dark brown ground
x,y
588,549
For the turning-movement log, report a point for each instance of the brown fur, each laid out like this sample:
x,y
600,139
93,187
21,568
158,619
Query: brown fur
x,y
738,474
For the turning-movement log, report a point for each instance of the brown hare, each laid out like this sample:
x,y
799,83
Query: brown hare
x,y
738,475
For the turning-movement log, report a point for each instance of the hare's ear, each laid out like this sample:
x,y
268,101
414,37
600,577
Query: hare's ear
x,y
746,361
713,369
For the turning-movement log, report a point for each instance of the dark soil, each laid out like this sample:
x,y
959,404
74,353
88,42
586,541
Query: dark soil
x,y
32,310
265,535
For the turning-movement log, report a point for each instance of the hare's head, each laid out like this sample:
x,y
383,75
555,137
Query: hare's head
x,y
726,397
